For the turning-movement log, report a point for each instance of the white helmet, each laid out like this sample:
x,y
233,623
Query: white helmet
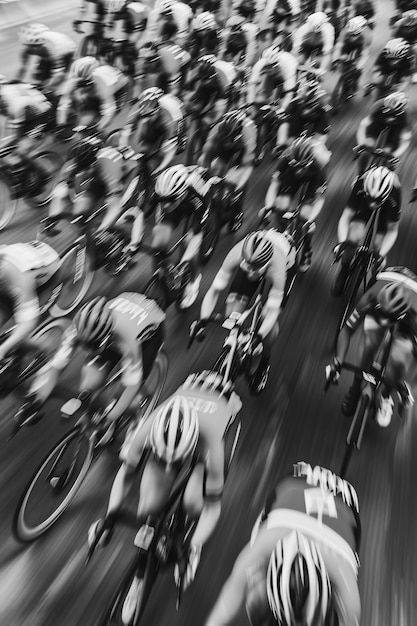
x,y
174,434
378,183
397,48
271,56
83,67
316,20
31,34
172,183
298,586
205,21
356,25
165,6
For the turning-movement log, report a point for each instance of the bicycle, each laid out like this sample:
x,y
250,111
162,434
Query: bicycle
x,y
31,181
364,262
62,472
163,545
240,354
347,83
366,409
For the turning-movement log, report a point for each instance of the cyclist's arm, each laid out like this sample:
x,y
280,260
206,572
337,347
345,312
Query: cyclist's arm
x,y
209,149
328,43
272,307
390,238
131,380
273,190
344,224
220,281
254,81
108,111
23,63
404,142
363,308
361,135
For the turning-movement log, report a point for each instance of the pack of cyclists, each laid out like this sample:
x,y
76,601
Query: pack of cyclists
x,y
236,67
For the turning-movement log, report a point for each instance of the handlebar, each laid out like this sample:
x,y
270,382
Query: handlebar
x,y
371,377
359,149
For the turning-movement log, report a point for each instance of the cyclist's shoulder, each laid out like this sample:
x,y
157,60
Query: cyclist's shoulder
x,y
400,275
137,308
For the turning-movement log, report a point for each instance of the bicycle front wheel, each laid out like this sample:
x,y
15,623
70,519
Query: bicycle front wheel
x,y
355,278
77,275
53,486
8,206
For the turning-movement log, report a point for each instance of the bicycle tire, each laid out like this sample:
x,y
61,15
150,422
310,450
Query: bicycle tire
x,y
359,420
356,276
26,532
52,163
82,278
8,205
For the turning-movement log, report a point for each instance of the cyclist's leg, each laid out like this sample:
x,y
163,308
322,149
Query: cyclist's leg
x,y
150,349
356,234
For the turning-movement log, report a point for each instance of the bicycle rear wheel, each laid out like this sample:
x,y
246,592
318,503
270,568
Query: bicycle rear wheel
x,y
356,430
8,205
53,486
76,275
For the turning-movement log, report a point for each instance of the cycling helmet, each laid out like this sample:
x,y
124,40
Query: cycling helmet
x,y
315,21
117,5
298,586
84,153
397,48
31,35
205,21
174,433
301,152
235,23
409,18
83,68
247,8
271,56
148,103
149,53
206,66
356,25
165,6
230,126
394,301
310,101
378,183
395,103
94,322
172,183
257,250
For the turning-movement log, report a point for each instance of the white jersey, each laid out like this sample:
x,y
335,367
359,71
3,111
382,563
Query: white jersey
x,y
327,35
183,16
288,68
36,257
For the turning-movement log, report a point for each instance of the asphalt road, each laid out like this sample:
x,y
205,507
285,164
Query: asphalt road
x,y
47,583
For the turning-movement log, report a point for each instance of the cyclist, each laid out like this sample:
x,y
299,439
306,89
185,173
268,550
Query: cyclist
x,y
402,6
24,269
273,78
212,88
389,117
162,65
390,301
239,42
394,65
303,162
365,8
128,329
377,188
406,28
95,90
261,255
307,113
191,423
168,12
229,152
155,126
205,36
28,114
53,51
355,38
301,564
275,17
315,35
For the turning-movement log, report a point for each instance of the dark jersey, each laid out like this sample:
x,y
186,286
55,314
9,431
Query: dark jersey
x,y
390,211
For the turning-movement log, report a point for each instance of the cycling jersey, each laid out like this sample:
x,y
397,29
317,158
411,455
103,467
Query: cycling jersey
x,y
182,15
324,508
26,108
274,11
231,272
320,124
135,318
262,86
239,153
379,120
216,87
368,304
351,43
54,55
390,211
24,267
158,132
365,8
248,48
401,67
108,81
290,179
305,40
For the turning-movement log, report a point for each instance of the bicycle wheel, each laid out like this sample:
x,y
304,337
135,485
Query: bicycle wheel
x,y
76,275
53,486
113,613
356,430
353,283
51,164
8,205
155,383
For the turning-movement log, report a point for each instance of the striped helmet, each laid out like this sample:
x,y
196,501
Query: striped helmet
x,y
174,433
257,250
205,21
94,322
298,586
172,183
378,183
356,25
83,67
397,48
394,301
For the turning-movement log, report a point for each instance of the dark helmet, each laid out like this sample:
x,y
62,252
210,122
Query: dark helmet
x,y
247,8
301,153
